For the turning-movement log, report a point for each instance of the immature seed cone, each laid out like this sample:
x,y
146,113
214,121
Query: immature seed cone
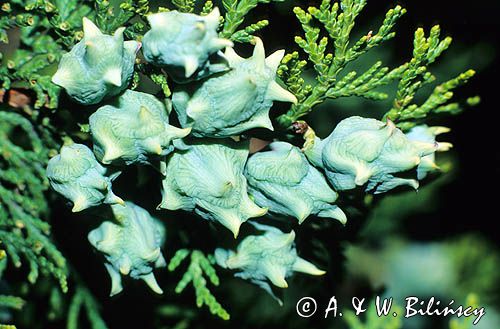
x,y
133,129
207,177
97,67
367,151
76,174
282,180
270,257
131,246
235,101
182,43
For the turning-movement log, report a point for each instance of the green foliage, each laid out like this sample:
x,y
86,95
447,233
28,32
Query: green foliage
x,y
140,7
199,265
290,71
184,6
331,82
207,8
23,233
246,34
337,22
83,299
161,80
416,76
77,308
11,302
109,18
236,10
3,326
372,321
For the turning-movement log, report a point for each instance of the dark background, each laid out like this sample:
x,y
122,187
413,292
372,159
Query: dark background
x,y
469,203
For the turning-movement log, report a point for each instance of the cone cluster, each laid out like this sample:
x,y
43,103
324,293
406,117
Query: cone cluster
x,y
218,95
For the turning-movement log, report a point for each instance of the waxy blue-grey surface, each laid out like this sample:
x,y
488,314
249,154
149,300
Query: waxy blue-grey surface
x,y
269,257
424,133
97,67
75,174
207,177
235,101
133,128
282,180
183,42
367,151
130,245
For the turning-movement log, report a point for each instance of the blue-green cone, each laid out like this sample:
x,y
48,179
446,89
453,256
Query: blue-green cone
x,y
207,177
270,257
133,129
76,174
235,101
130,245
283,181
367,151
182,43
98,66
